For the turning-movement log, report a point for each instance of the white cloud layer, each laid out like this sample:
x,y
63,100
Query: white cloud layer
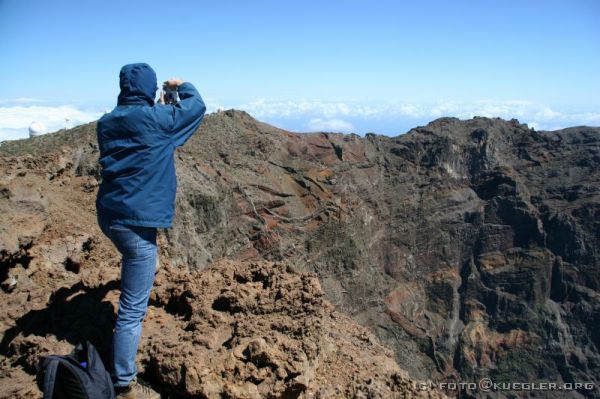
x,y
315,115
330,125
15,118
535,114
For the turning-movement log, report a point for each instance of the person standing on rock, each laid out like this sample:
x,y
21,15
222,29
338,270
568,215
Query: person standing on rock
x,y
137,141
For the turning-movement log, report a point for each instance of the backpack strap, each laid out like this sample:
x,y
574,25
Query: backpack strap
x,y
50,366
97,371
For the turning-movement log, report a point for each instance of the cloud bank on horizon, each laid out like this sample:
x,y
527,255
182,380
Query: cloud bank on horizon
x,y
17,114
313,115
397,118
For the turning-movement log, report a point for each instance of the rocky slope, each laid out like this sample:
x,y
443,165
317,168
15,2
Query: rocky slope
x,y
470,248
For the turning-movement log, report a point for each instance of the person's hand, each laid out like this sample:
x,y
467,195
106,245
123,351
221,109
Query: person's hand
x,y
162,97
173,83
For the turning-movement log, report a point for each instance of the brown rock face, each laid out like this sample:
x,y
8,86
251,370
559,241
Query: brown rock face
x,y
468,247
256,330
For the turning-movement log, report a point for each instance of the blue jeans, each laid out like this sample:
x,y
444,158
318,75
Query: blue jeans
x,y
137,246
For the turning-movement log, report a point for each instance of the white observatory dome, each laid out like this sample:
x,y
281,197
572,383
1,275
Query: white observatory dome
x,y
37,129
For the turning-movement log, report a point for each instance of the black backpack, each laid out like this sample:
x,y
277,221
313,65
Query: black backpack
x,y
79,375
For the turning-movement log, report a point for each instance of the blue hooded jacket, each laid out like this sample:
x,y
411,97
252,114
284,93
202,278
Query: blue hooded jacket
x,y
137,142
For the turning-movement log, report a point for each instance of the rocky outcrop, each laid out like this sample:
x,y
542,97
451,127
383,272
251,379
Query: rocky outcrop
x,y
257,330
468,247
236,329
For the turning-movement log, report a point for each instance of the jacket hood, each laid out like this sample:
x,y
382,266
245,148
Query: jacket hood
x,y
138,84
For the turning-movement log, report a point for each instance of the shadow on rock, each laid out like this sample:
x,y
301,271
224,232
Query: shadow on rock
x,y
73,314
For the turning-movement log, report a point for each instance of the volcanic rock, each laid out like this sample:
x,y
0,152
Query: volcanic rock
x,y
468,247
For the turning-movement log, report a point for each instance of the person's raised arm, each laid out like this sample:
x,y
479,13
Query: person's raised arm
x,y
187,114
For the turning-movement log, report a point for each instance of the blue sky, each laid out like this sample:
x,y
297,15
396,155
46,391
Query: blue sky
x,y
351,66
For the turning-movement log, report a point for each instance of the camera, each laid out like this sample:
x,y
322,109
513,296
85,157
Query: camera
x,y
171,96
